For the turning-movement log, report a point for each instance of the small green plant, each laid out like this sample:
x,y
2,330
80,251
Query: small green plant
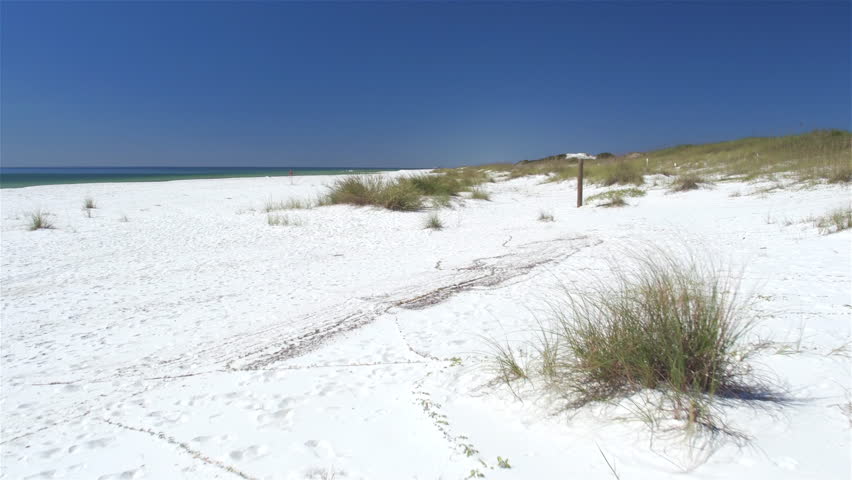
x,y
834,221
455,362
38,221
282,220
545,216
474,473
479,194
433,222
503,462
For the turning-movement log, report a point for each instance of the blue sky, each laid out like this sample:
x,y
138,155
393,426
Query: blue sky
x,y
407,84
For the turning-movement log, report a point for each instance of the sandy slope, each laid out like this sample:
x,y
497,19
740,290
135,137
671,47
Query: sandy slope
x,y
196,341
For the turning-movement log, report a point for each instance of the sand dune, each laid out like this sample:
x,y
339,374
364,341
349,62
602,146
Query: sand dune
x,y
195,341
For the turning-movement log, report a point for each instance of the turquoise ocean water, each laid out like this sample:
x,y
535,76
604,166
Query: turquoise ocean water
x,y
25,177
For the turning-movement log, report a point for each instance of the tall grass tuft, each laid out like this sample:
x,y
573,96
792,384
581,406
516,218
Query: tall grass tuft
x,y
617,173
834,221
479,194
89,203
392,194
686,182
38,221
661,323
433,222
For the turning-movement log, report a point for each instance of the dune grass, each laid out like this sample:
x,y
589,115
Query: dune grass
x,y
38,220
289,204
662,323
817,155
404,193
390,193
820,155
433,222
834,221
479,194
275,220
687,182
615,198
89,203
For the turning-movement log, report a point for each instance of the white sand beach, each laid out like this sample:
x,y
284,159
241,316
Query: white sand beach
x,y
175,334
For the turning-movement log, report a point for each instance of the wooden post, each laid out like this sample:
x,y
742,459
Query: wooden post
x,y
580,183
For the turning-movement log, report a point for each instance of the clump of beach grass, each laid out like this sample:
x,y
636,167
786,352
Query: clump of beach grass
x,y
544,216
686,182
404,193
89,203
661,323
276,220
289,204
621,172
433,222
389,193
38,220
442,201
840,174
615,198
834,221
479,194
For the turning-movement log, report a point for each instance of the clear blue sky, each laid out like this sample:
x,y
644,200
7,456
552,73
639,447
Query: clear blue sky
x,y
408,84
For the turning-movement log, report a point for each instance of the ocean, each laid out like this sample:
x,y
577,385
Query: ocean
x,y
26,177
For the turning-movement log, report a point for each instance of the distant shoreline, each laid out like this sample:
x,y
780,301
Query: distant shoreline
x,y
18,177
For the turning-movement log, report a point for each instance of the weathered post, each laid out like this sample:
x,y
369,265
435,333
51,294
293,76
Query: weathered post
x,y
580,182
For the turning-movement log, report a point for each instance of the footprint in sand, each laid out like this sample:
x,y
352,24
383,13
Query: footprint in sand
x,y
251,453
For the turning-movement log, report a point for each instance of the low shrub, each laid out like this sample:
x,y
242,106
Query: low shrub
x,y
604,156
